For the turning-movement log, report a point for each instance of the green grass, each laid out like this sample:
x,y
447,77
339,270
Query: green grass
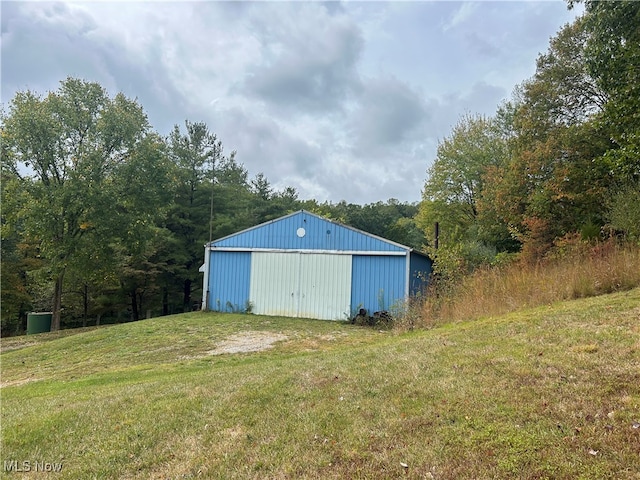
x,y
526,395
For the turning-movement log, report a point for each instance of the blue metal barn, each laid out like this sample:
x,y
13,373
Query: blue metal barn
x,y
303,265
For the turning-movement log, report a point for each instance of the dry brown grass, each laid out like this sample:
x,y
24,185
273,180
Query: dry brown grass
x,y
582,271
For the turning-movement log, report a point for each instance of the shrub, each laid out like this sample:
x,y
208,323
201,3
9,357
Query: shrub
x,y
624,212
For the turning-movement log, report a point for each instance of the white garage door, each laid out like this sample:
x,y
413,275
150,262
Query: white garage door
x,y
301,285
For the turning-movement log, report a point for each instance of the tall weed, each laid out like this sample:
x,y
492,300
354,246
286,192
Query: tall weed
x,y
575,269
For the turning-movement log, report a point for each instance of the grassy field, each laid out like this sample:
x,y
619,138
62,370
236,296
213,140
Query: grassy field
x,y
550,392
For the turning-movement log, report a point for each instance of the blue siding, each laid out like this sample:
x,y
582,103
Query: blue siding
x,y
229,281
377,282
419,271
321,234
378,276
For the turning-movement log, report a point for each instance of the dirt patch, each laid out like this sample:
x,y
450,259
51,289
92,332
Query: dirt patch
x,y
16,383
247,342
15,346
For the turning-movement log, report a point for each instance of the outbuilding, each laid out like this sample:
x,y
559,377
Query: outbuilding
x,y
304,265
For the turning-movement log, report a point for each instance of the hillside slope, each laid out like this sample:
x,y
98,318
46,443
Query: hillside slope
x,y
552,392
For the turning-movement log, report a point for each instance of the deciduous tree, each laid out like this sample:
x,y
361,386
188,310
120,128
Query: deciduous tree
x,y
455,181
89,169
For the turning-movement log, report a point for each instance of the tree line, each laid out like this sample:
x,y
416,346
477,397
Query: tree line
x,y
105,220
559,162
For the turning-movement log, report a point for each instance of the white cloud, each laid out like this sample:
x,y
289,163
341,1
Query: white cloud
x,y
462,14
309,58
339,100
388,113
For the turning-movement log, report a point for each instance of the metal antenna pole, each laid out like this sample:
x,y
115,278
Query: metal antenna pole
x,y
213,160
211,209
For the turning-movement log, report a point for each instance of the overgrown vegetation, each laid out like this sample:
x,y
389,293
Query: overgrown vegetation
x,y
550,392
574,269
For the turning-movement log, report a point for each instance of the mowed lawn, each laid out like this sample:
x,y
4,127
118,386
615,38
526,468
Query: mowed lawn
x,y
552,392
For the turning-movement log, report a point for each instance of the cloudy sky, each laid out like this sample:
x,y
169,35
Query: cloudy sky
x,y
343,101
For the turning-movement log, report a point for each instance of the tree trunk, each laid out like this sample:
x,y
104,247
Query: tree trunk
x,y
186,301
85,304
135,316
165,300
57,303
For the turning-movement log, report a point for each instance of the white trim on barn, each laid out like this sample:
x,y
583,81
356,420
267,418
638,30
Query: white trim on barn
x,y
286,250
205,282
